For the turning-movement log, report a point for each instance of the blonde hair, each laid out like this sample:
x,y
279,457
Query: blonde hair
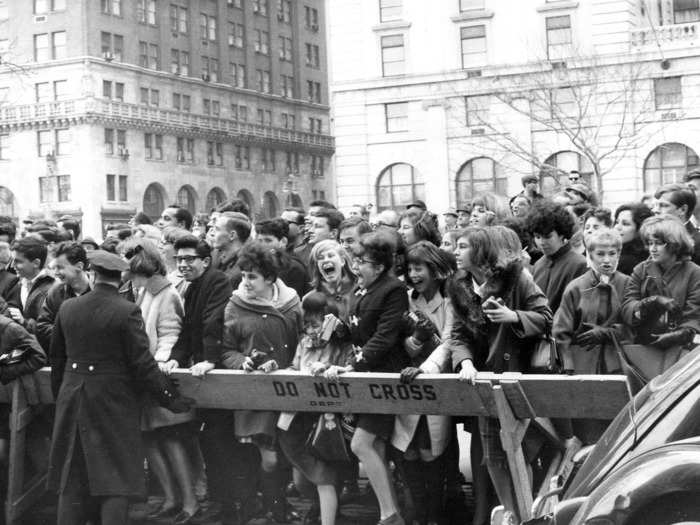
x,y
668,229
318,249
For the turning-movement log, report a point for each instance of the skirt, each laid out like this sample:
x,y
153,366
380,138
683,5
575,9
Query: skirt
x,y
293,445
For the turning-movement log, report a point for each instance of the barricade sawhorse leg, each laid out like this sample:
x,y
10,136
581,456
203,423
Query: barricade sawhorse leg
x,y
20,497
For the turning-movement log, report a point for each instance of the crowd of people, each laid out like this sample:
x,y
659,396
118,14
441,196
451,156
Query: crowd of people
x,y
328,293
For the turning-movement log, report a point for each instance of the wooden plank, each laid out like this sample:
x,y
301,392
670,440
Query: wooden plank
x,y
18,436
589,396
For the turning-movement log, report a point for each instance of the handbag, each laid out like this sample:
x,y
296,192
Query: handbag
x,y
326,440
642,363
545,356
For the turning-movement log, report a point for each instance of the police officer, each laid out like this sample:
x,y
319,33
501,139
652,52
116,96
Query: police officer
x,y
100,357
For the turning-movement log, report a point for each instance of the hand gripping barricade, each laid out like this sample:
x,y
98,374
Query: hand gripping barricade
x,y
517,400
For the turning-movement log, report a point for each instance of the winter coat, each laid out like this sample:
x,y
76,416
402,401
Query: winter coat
x,y
162,310
695,235
270,327
439,311
680,282
338,298
376,325
35,300
101,366
202,326
553,272
631,255
294,274
58,293
14,337
497,347
588,300
9,288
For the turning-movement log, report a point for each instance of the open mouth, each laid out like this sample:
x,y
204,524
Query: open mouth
x,y
328,269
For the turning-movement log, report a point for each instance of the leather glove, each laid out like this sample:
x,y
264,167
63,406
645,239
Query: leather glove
x,y
594,336
654,305
682,337
424,329
258,358
409,373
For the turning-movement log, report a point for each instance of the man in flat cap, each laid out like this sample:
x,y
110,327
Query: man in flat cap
x,y
100,362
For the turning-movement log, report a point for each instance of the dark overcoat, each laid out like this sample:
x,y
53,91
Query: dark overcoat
x,y
553,272
101,364
376,325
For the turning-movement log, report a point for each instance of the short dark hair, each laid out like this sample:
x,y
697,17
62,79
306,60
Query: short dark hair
x,y
441,264
604,215
333,217
237,205
32,248
8,228
257,258
680,194
317,304
322,204
240,226
73,227
202,249
546,217
300,214
116,226
182,215
110,245
74,252
380,246
142,218
351,222
278,228
640,212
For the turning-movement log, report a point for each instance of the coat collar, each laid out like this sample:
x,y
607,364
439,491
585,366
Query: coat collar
x,y
156,284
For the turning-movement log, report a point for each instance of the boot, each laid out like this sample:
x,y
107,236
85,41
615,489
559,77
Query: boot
x,y
434,478
413,476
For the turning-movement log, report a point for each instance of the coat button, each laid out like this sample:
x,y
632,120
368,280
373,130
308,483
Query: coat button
x,y
91,368
506,356
75,365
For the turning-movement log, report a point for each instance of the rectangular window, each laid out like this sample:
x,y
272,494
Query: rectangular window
x,y
122,188
389,10
260,7
119,91
268,160
219,154
112,7
263,80
265,117
558,37
262,42
60,89
563,103
111,187
685,11
292,163
312,56
393,55
44,142
317,167
396,117
153,56
41,47
158,150
288,121
313,91
116,188
4,12
146,12
215,108
668,93
473,41
210,153
477,109
63,142
55,188
143,54
189,150
315,125
206,106
210,69
207,26
238,75
287,86
148,145
285,48
144,95
117,47
179,20
471,5
4,138
235,34
235,3
311,18
284,11
175,61
180,149
58,45
186,103
109,141
41,7
241,157
42,92
121,141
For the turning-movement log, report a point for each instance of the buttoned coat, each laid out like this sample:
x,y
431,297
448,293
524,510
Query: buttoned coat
x,y
553,272
101,365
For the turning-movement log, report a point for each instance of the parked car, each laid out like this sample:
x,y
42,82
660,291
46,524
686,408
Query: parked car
x,y
646,466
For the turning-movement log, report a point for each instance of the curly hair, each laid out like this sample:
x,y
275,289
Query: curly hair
x,y
257,258
546,217
425,226
640,212
380,247
601,214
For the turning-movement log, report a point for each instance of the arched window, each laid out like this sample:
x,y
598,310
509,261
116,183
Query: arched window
x,y
215,197
398,185
477,176
186,198
270,205
154,201
668,163
247,197
555,174
7,202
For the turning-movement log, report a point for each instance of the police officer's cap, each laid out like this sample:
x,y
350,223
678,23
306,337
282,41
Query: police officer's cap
x,y
104,260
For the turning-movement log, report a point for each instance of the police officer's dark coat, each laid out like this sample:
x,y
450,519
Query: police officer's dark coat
x,y
100,342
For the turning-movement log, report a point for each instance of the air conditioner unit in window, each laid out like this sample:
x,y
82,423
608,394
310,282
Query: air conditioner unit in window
x,y
108,56
671,115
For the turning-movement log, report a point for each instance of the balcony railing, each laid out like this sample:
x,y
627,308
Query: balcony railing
x,y
681,34
145,115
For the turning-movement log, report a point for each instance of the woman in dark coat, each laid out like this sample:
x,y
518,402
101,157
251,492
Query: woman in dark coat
x,y
376,311
262,323
499,315
628,220
662,298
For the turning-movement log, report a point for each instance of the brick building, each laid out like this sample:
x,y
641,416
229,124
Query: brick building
x,y
108,107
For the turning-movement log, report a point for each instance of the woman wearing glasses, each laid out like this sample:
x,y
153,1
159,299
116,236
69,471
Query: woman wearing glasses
x,y
662,298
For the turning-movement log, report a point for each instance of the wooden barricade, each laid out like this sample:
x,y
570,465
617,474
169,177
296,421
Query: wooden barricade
x,y
517,400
